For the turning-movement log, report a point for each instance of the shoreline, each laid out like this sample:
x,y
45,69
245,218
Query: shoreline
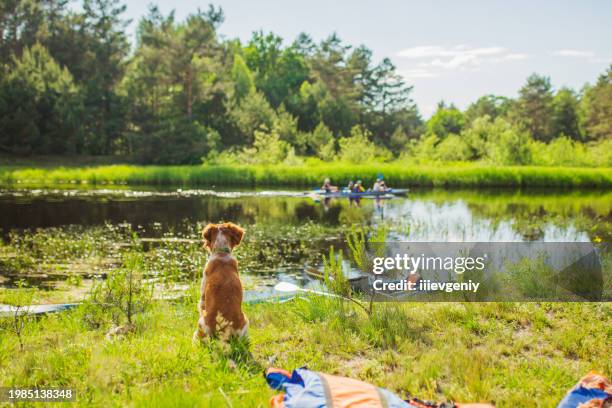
x,y
305,176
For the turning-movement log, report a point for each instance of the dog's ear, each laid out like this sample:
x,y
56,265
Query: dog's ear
x,y
235,232
209,234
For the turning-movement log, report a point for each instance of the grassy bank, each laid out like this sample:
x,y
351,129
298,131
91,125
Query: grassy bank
x,y
513,355
509,354
396,174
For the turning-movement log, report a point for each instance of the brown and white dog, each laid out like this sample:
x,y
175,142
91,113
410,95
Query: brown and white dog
x,y
220,304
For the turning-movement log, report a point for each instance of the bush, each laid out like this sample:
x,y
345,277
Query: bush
x,y
446,120
512,148
358,148
122,295
16,323
506,144
267,149
566,152
399,140
498,141
328,151
453,148
478,134
320,142
334,277
430,149
423,150
601,153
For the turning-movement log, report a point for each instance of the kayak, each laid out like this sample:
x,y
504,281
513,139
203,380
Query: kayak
x,y
8,310
347,193
251,297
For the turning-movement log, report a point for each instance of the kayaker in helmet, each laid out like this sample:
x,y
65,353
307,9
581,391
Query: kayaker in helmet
x,y
379,185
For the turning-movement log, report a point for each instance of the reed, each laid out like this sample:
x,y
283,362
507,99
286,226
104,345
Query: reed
x,y
396,175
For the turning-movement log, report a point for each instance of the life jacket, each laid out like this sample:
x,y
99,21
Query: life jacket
x,y
593,390
309,389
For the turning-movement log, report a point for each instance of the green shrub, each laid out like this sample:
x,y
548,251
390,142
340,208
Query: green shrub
x,y
320,141
569,153
122,295
334,276
508,145
267,149
16,323
422,150
358,148
453,148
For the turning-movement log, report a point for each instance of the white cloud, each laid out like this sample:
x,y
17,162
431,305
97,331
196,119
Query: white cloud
x,y
515,57
574,53
417,73
456,57
458,61
433,51
486,51
423,52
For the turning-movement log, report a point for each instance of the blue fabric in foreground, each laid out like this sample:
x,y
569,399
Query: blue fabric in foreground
x,y
580,395
304,390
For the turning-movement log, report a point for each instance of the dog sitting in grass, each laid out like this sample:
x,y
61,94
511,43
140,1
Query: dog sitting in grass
x,y
220,304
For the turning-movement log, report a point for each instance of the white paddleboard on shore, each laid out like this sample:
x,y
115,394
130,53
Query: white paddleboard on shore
x,y
8,310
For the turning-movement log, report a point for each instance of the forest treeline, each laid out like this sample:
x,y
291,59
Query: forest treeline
x,y
72,84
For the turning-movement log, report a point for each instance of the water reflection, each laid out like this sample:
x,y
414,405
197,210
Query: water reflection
x,y
455,221
425,215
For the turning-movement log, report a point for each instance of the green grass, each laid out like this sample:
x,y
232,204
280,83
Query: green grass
x,y
396,174
509,354
513,355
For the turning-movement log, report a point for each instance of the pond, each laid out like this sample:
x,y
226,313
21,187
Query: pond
x,y
53,234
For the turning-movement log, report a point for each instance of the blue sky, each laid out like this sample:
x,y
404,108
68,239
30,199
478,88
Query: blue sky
x,y
449,50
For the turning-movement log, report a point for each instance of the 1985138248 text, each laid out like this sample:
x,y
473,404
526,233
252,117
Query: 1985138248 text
x,y
23,394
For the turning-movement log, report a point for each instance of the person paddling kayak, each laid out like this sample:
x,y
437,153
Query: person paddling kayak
x,y
328,187
358,187
379,185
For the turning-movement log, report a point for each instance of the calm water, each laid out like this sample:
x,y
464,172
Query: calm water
x,y
424,215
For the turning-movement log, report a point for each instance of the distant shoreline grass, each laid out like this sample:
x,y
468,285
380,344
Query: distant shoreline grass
x,y
396,175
